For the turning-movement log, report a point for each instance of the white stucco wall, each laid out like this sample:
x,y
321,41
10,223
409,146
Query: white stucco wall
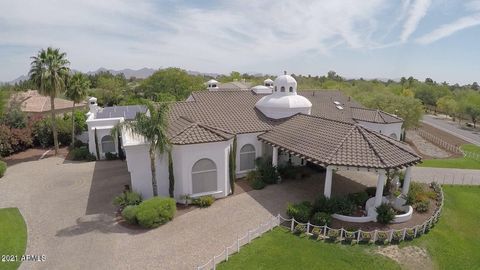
x,y
184,157
248,138
104,127
385,129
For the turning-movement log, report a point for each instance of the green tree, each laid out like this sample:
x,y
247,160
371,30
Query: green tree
x,y
49,71
169,82
154,128
76,92
470,105
448,105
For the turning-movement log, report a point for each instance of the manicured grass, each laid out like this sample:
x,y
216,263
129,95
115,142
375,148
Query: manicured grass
x,y
13,236
281,249
457,163
454,243
471,148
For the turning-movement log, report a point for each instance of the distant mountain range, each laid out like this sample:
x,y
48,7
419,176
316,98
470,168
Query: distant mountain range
x,y
129,73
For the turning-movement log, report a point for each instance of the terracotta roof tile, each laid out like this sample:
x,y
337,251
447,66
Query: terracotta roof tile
x,y
185,131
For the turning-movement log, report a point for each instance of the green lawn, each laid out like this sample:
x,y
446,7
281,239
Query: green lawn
x,y
458,163
455,242
13,236
281,249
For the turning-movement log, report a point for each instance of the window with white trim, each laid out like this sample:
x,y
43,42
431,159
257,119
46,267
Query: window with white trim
x,y
108,145
204,176
247,157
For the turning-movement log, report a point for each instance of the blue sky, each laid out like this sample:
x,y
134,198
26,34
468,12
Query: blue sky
x,y
369,38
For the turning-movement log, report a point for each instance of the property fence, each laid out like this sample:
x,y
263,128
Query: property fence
x,y
331,234
438,141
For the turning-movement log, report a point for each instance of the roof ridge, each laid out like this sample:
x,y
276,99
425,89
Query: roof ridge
x,y
214,130
324,118
371,146
340,144
390,141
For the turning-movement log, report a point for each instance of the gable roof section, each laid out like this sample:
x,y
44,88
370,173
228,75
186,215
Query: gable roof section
x,y
374,116
127,112
333,142
185,131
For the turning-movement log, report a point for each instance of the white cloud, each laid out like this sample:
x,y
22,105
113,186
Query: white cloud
x,y
417,11
450,28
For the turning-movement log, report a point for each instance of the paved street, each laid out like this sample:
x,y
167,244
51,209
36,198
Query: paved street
x,y
452,128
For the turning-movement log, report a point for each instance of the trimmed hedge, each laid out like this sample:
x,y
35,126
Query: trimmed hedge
x,y
129,213
156,211
82,153
3,168
301,212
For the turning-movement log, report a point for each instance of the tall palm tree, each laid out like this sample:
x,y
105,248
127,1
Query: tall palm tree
x,y
154,128
77,92
49,71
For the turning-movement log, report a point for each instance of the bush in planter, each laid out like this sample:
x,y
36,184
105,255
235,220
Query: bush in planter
x,y
111,156
350,236
382,237
317,232
267,173
255,180
359,198
385,213
3,168
397,236
333,234
342,206
204,201
127,198
365,237
156,211
301,212
300,228
321,218
129,213
410,234
422,206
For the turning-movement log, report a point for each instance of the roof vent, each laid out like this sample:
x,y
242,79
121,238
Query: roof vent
x,y
337,103
339,107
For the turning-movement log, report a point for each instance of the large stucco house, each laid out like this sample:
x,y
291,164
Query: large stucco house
x,y
272,121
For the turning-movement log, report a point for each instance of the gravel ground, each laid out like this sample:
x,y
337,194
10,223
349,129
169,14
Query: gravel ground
x,y
425,147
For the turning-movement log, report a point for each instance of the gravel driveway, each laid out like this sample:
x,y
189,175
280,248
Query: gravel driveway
x,y
69,215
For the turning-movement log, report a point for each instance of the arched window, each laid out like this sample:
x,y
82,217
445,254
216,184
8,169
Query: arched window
x,y
108,145
204,176
290,89
393,136
275,89
282,89
247,157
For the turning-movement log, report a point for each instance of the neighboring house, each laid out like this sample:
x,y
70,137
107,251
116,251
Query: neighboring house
x,y
34,103
272,121
213,85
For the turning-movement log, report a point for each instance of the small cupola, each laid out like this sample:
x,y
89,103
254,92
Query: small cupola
x,y
212,85
268,82
92,105
284,101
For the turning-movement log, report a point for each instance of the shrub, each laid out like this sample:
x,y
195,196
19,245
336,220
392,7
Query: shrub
x,y
301,212
111,156
255,180
359,198
422,206
287,171
43,135
333,234
204,201
415,191
78,144
349,236
385,213
3,168
371,191
365,236
82,153
129,213
382,237
267,173
127,198
156,211
397,236
317,231
321,218
14,140
323,204
342,206
300,228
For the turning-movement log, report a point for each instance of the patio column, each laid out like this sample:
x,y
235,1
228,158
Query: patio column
x,y
406,180
380,184
275,156
328,182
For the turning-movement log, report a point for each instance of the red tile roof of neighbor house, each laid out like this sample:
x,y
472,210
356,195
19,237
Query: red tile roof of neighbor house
x,y
34,102
330,136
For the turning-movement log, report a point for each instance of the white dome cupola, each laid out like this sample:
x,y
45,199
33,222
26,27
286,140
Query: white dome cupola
x,y
212,85
268,82
284,101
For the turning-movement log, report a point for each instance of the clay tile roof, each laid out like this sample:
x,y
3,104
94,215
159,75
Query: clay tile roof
x,y
333,142
374,116
33,102
186,131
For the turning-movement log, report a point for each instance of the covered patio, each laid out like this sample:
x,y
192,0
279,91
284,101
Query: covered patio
x,y
336,146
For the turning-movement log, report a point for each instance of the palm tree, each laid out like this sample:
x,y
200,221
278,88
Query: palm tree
x,y
154,128
49,71
77,92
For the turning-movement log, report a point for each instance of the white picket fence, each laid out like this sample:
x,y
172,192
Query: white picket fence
x,y
438,141
327,233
